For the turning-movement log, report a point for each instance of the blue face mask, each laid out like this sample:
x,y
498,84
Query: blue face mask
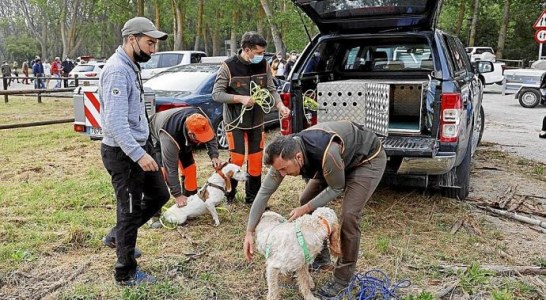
x,y
257,58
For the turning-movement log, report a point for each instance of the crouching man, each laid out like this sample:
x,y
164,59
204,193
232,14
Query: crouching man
x,y
336,157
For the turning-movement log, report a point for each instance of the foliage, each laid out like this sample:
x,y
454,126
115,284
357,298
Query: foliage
x,y
20,47
421,296
473,278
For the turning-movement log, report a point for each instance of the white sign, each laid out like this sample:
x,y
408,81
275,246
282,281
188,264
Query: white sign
x,y
540,36
541,21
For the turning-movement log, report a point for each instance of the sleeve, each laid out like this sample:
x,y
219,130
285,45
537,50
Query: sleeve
x,y
270,184
220,86
115,98
212,148
169,156
271,87
334,173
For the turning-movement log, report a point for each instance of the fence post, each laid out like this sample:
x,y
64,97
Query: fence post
x,y
39,97
76,80
5,88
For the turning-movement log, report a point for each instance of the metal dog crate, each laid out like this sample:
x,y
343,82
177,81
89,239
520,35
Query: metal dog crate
x,y
382,106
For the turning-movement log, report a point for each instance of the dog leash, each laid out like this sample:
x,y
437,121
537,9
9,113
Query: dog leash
x,y
374,284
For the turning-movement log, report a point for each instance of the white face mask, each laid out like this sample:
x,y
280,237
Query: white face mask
x,y
257,59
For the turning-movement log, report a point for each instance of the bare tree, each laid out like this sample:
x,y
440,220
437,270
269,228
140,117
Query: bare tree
x,y
503,28
474,23
277,38
460,18
199,29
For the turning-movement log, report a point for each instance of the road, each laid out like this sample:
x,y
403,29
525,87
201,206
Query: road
x,y
514,128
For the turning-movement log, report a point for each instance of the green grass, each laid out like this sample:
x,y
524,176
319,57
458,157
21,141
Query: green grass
x,y
56,203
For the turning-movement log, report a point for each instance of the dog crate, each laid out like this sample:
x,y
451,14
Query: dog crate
x,y
383,106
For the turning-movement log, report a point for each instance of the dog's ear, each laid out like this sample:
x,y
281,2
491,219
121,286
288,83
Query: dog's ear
x,y
227,180
335,242
204,194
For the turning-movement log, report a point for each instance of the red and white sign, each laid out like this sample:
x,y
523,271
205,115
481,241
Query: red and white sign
x,y
92,110
540,23
540,36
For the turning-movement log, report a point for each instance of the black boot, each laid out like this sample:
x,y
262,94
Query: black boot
x,y
230,197
322,261
252,187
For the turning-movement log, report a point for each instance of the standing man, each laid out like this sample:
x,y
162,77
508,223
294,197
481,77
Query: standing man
x,y
126,151
6,72
38,71
56,69
25,72
337,158
232,88
68,66
177,131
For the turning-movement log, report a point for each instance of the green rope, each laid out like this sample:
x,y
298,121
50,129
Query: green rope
x,y
262,97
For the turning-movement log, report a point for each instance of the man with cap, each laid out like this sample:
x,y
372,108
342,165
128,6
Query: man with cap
x,y
177,131
126,149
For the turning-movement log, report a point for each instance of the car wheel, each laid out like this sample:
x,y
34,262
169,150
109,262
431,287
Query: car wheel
x,y
478,130
529,98
462,177
221,136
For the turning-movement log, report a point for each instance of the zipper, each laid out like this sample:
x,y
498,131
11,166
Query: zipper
x,y
130,202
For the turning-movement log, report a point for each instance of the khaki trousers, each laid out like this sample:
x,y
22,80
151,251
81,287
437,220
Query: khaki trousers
x,y
361,182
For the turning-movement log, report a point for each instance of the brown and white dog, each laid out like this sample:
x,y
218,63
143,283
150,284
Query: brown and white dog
x,y
277,239
208,197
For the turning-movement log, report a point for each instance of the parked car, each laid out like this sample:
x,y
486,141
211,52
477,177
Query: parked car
x,y
191,85
88,73
387,67
480,53
527,85
161,61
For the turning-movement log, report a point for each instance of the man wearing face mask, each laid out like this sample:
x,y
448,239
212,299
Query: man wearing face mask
x,y
126,150
232,88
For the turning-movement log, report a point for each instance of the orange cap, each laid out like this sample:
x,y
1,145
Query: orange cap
x,y
199,125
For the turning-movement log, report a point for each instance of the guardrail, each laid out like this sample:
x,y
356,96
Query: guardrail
x,y
513,63
39,92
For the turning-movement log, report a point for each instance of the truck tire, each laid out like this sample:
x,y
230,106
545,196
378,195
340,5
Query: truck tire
x,y
220,131
529,98
478,130
462,177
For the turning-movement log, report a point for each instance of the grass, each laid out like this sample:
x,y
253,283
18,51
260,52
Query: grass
x,y
56,203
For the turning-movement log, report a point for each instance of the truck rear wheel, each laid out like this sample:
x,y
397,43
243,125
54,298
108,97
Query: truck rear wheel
x,y
221,136
529,98
462,176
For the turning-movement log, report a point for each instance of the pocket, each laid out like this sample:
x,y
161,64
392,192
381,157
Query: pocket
x,y
231,142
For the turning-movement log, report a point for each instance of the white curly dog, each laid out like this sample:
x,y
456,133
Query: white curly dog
x,y
283,244
208,197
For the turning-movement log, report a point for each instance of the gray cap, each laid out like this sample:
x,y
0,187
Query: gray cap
x,y
142,25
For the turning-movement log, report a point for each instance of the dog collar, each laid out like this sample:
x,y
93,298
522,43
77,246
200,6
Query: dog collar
x,y
219,170
303,244
324,222
216,186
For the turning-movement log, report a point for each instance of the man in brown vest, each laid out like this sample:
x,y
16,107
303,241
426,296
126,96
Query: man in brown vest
x,y
244,121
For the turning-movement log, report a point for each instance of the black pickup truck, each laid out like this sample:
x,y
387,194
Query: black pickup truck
x,y
387,67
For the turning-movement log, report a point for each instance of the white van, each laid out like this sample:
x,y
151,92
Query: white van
x,y
480,53
161,61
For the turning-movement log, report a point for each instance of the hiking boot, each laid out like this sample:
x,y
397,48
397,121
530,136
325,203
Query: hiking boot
x,y
230,199
155,223
331,289
138,278
110,242
322,262
542,134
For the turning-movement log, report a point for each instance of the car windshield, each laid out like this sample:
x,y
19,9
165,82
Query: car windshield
x,y
152,63
84,68
182,78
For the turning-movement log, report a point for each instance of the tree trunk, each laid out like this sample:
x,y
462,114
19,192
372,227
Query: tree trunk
x,y
206,39
474,23
140,8
217,38
233,42
503,28
199,29
460,18
179,27
277,39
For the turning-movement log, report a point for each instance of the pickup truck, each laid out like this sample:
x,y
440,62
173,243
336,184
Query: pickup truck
x,y
387,67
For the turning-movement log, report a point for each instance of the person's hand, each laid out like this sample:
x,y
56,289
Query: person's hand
x,y
299,211
216,163
181,201
246,101
283,110
147,163
248,246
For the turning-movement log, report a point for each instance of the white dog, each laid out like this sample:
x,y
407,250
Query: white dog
x,y
208,197
278,240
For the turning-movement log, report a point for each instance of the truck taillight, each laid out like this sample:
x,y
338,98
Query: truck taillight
x,y
162,107
90,74
79,128
450,116
286,123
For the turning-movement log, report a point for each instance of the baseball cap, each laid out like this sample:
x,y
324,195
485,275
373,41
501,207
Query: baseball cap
x,y
199,125
142,25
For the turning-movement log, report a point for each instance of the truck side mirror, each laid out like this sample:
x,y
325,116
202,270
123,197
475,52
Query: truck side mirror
x,y
483,66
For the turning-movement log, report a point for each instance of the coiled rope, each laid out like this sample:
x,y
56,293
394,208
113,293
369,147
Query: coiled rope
x,y
262,97
374,284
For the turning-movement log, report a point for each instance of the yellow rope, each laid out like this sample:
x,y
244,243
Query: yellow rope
x,y
262,97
